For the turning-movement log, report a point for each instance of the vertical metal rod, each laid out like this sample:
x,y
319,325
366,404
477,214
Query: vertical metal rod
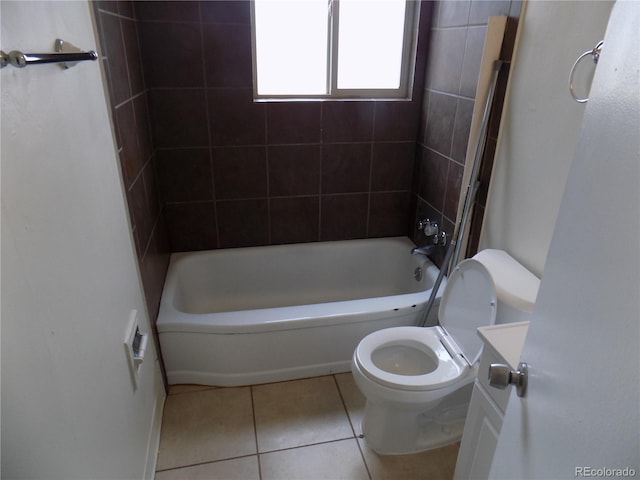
x,y
472,187
453,251
436,285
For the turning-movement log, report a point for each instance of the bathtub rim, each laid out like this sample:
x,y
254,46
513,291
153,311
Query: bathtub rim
x,y
170,319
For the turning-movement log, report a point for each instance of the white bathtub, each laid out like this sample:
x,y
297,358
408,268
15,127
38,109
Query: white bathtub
x,y
263,314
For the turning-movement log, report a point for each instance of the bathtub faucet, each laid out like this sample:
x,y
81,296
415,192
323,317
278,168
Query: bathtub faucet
x,y
426,250
439,240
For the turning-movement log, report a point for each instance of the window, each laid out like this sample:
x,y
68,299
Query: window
x,y
333,48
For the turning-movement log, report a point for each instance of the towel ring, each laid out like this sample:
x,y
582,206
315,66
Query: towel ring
x,y
595,53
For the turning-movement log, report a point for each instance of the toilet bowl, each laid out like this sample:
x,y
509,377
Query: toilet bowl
x,y
417,381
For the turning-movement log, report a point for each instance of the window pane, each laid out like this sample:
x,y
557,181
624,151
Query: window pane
x,y
370,40
291,47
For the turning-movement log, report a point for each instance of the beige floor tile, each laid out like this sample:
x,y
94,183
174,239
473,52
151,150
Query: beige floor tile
x,y
205,426
438,464
245,468
353,399
300,412
333,461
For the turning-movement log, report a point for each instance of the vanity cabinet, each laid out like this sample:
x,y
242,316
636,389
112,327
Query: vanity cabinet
x,y
502,344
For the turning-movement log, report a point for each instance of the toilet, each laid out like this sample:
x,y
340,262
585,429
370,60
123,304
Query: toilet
x,y
418,380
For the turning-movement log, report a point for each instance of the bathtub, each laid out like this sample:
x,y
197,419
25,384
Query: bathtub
x,y
263,314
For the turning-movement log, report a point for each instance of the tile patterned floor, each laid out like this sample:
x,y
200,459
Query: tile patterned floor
x,y
300,430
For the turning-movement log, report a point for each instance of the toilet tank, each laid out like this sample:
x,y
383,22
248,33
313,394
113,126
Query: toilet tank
x,y
516,287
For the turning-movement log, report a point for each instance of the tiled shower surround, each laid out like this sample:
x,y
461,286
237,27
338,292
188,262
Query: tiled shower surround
x,y
204,166
234,172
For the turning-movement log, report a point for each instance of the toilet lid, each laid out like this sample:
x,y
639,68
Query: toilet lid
x,y
468,302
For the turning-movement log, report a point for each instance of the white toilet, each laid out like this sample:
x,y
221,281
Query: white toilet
x,y
418,381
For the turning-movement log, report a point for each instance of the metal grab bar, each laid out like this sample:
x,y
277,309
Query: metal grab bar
x,y
67,55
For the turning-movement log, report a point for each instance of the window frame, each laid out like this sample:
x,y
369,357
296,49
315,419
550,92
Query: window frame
x,y
407,72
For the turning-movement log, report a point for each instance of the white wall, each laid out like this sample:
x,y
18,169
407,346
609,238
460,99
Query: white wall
x,y
69,271
540,127
581,408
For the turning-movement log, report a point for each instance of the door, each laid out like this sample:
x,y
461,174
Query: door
x,y
580,415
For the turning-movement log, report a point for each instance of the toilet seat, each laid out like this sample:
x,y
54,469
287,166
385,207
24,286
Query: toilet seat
x,y
469,301
446,369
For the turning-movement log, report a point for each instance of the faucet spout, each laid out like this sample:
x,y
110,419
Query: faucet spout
x,y
426,250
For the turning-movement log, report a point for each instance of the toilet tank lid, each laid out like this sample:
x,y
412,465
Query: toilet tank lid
x,y
515,285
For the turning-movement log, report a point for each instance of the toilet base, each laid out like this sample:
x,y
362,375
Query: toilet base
x,y
396,431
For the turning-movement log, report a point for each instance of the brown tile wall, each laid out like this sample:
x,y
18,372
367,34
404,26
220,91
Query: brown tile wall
x,y
457,38
120,54
234,173
206,167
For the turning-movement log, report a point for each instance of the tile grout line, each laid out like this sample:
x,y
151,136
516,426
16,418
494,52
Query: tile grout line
x,y
197,464
355,435
255,431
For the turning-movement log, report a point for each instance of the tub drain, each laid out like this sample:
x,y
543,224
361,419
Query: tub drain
x,y
417,274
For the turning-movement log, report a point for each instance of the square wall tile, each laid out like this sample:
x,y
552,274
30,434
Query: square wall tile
x,y
178,118
117,59
243,223
433,175
339,460
299,412
440,118
151,190
163,42
388,214
205,426
240,172
453,13
392,166
293,122
126,9
191,226
295,219
472,60
446,56
294,170
235,118
139,207
396,121
226,11
167,11
343,217
131,157
481,10
185,174
133,59
454,187
227,55
141,112
346,167
461,129
347,121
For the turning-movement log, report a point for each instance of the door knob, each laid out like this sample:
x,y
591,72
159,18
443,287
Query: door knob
x,y
501,376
